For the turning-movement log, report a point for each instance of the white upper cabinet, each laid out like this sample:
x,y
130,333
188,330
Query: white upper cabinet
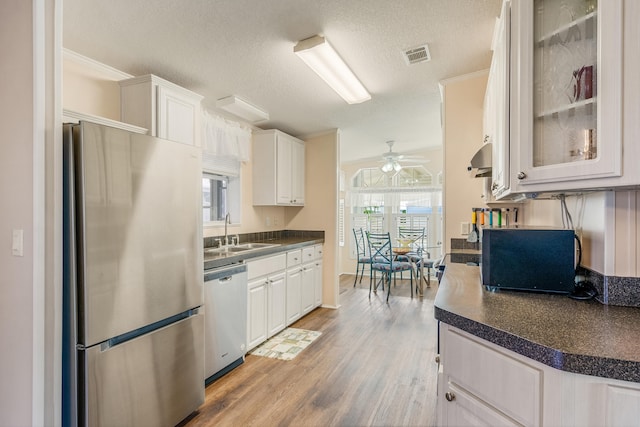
x,y
167,110
570,121
278,169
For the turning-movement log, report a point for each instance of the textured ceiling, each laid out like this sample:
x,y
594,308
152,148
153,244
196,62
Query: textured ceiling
x,y
245,48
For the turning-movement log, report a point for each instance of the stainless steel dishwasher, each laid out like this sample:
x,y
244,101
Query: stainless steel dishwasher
x,y
225,302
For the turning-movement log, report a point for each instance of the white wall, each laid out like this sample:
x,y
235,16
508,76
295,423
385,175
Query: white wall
x,y
320,210
29,327
17,192
90,87
463,102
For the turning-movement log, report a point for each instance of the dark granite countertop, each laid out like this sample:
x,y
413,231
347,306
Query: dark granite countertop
x,y
284,244
585,337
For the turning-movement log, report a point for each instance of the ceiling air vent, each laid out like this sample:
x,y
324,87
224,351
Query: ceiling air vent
x,y
417,54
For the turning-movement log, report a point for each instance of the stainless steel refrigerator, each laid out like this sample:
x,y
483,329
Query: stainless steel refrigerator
x,y
133,350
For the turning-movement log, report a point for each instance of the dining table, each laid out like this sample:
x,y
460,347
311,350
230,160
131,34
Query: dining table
x,y
403,250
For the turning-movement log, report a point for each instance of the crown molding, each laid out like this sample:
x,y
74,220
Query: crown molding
x,y
103,70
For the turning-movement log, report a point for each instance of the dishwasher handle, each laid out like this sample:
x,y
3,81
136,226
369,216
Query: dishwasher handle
x,y
224,272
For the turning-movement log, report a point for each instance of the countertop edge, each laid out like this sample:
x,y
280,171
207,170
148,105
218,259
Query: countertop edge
x,y
604,367
283,246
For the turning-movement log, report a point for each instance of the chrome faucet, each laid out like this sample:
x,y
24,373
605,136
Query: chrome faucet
x,y
227,220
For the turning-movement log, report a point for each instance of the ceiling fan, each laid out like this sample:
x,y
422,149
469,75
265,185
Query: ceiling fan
x,y
391,160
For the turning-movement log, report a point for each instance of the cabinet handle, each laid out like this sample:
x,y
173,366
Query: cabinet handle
x,y
449,396
438,359
522,175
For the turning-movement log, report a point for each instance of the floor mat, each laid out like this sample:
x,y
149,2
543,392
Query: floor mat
x,y
287,344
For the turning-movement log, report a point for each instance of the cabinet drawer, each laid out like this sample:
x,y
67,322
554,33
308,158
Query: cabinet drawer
x,y
465,410
264,266
318,251
504,382
294,258
308,254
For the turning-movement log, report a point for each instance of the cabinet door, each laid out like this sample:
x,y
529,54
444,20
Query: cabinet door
x,y
498,109
277,304
297,173
623,406
256,313
176,116
283,169
567,84
294,299
495,378
317,283
307,287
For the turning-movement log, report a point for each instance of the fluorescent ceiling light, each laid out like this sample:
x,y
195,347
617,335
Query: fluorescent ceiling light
x,y
318,54
242,109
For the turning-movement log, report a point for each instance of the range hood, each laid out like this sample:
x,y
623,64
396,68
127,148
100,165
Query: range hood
x,y
481,162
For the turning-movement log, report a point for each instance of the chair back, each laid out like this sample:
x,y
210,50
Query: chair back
x,y
361,247
380,247
416,235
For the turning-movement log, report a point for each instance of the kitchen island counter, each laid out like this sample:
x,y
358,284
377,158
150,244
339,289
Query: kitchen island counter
x,y
584,337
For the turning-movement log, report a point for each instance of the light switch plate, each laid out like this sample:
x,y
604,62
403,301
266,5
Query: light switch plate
x,y
17,245
465,228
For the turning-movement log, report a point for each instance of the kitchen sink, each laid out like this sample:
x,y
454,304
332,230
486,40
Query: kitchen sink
x,y
239,248
256,245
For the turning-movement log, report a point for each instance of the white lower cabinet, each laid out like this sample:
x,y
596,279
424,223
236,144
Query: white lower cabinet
x,y
504,387
276,300
294,286
307,285
600,402
482,384
266,298
318,277
282,289
466,410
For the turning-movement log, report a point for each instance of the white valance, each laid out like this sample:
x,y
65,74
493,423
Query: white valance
x,y
226,139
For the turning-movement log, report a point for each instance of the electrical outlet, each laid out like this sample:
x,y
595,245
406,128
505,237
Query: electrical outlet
x,y
465,228
268,221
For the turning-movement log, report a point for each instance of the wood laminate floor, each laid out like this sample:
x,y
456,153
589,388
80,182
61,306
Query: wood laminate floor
x,y
373,366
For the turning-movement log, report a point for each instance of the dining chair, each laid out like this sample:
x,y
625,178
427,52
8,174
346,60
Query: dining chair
x,y
419,256
361,254
383,260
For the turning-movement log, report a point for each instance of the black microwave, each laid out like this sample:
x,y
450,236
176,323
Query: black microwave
x,y
529,259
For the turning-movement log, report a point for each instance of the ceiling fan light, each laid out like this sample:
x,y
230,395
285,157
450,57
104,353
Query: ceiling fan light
x,y
397,166
387,167
318,54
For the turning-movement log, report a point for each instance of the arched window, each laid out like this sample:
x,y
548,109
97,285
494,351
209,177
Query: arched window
x,y
410,197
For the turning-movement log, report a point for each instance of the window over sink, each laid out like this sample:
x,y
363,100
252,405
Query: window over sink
x,y
221,195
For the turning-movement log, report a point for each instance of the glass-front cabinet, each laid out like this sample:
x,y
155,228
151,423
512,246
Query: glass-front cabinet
x,y
566,86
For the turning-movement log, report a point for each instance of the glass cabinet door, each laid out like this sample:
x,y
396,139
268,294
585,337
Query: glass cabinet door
x,y
566,99
565,72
